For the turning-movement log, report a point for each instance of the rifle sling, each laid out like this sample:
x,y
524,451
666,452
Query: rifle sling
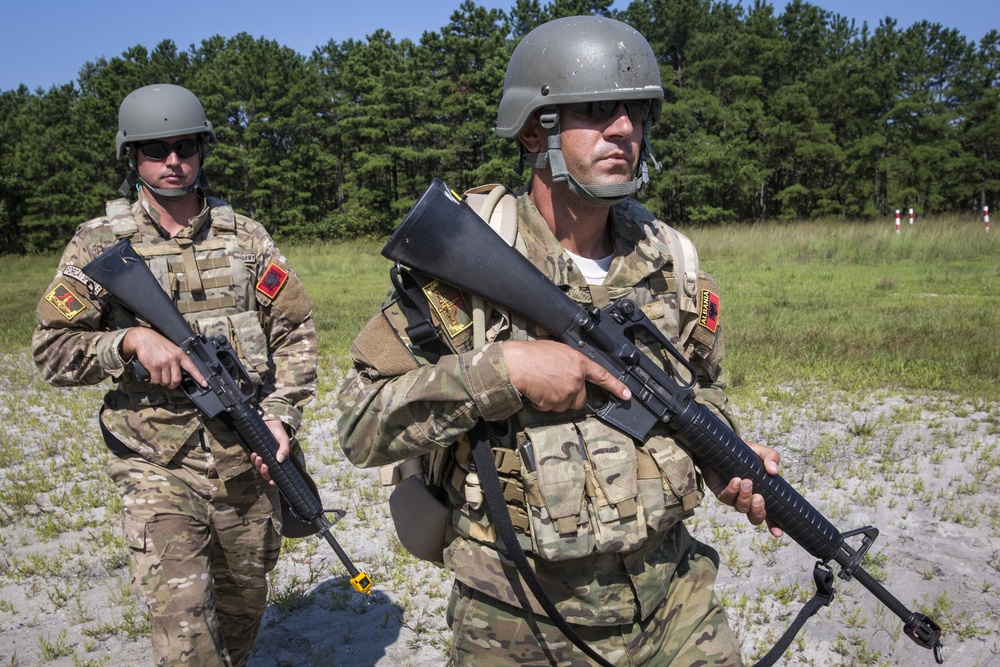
x,y
482,454
823,577
412,300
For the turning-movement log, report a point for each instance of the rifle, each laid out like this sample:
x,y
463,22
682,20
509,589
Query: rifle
x,y
230,394
443,237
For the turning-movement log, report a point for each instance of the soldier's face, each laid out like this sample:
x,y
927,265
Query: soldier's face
x,y
172,171
600,152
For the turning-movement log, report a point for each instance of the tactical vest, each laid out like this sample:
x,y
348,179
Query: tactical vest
x,y
211,280
573,485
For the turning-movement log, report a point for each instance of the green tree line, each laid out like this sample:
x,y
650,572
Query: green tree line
x,y
768,115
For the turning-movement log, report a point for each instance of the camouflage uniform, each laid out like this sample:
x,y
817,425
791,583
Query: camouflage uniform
x,y
201,524
599,515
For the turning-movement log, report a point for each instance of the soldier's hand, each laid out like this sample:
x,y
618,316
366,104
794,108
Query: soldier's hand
x,y
284,448
738,493
553,377
160,357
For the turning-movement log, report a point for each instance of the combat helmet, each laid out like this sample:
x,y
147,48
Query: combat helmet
x,y
155,112
579,59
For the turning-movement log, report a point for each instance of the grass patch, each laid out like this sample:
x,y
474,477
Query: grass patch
x,y
852,305
858,306
25,278
346,283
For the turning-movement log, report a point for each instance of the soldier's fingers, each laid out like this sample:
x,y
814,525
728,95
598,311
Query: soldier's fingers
x,y
281,437
174,376
726,493
165,374
261,467
265,474
738,494
756,512
192,370
770,457
597,374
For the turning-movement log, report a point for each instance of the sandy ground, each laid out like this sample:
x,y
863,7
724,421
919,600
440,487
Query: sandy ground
x,y
924,470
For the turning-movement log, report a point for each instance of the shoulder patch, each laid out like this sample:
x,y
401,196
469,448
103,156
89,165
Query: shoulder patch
x,y
710,304
76,273
66,301
272,281
449,305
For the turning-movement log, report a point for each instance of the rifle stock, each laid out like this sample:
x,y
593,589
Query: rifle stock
x,y
444,238
230,393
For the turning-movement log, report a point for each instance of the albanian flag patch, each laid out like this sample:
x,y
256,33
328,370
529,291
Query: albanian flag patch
x,y
272,281
709,310
65,301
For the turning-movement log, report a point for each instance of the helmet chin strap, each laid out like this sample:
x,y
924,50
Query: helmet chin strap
x,y
599,195
200,183
173,193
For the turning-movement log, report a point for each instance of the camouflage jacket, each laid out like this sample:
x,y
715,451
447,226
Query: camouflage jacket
x,y
602,518
226,276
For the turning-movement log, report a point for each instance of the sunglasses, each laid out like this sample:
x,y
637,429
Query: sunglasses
x,y
157,151
639,111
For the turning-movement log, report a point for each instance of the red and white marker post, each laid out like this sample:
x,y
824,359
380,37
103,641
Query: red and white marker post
x,y
911,217
986,217
897,220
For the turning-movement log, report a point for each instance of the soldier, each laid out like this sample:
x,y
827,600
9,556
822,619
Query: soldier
x,y
202,526
600,516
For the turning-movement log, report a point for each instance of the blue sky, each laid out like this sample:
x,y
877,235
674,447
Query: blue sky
x,y
45,42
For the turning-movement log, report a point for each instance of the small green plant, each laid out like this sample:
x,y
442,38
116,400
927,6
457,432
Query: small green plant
x,y
57,649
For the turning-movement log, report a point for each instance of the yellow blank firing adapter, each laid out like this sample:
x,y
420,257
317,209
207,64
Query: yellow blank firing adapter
x,y
362,583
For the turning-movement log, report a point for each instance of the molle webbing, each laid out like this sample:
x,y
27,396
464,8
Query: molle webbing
x,y
191,269
506,460
181,259
662,282
185,307
207,283
508,465
207,263
202,265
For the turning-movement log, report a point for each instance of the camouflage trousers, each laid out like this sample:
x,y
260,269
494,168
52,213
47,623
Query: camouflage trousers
x,y
201,549
688,628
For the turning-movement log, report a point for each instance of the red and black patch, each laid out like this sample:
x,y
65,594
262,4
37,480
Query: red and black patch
x,y
66,301
709,310
272,281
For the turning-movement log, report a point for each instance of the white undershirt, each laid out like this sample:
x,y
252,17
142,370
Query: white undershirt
x,y
594,270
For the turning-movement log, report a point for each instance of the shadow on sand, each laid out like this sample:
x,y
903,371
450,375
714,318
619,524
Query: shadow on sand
x,y
330,625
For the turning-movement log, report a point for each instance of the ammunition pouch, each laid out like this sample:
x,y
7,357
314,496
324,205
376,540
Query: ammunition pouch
x,y
601,495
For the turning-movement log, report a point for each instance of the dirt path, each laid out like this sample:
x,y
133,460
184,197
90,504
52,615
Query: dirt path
x,y
925,471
